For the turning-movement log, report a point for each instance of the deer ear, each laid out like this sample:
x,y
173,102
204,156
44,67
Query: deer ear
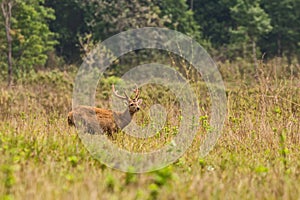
x,y
140,101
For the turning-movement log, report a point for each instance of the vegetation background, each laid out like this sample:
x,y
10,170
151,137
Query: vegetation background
x,y
256,45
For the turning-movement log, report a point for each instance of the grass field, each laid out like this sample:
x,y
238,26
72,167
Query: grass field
x,y
257,156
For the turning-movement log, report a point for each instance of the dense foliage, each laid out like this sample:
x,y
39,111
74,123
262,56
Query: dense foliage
x,y
230,30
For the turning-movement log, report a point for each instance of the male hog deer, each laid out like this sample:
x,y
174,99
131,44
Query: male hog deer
x,y
109,121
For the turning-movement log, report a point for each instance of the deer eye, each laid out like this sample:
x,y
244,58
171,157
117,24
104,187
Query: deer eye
x,y
131,104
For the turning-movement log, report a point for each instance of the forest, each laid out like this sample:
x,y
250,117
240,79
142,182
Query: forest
x,y
49,33
255,45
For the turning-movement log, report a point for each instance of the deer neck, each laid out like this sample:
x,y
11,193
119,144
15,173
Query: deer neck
x,y
123,118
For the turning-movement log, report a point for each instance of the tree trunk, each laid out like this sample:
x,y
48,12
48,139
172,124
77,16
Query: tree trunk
x,y
192,5
289,56
6,11
279,55
279,50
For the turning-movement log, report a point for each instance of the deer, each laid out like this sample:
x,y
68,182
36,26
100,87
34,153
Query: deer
x,y
109,121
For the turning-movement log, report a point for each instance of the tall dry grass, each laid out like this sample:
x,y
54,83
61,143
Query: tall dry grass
x,y
257,156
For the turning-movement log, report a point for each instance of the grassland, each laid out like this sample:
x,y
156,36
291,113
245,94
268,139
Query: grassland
x,y
257,157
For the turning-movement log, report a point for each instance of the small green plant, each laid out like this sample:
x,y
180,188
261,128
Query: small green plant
x,y
154,190
73,160
283,150
110,182
261,169
9,179
130,177
162,176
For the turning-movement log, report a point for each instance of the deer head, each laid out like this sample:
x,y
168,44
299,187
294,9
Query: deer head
x,y
132,103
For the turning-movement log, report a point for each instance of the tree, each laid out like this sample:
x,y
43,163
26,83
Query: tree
x,y
70,22
285,19
215,19
107,18
32,36
28,35
6,7
251,22
179,17
111,17
99,18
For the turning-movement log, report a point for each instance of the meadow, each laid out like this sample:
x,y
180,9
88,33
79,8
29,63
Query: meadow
x,y
256,157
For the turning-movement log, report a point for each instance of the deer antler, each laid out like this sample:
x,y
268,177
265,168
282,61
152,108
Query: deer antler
x,y
117,95
137,92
